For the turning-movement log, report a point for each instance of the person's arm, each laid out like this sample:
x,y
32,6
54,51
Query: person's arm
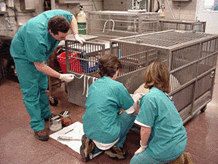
x,y
42,67
135,107
145,133
74,28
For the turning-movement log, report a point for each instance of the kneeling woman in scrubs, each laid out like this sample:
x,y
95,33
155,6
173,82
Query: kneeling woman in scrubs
x,y
105,129
163,136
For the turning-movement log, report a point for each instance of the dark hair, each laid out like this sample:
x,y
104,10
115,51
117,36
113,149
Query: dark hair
x,y
108,65
58,23
157,75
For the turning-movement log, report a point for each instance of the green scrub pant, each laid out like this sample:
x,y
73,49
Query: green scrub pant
x,y
33,84
144,158
127,121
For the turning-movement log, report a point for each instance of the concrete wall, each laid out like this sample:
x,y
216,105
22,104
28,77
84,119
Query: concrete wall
x,y
181,10
23,17
11,27
211,17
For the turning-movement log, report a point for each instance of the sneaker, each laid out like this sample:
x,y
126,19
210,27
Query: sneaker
x,y
87,148
42,135
116,152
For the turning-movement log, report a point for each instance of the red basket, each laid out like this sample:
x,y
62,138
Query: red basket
x,y
74,63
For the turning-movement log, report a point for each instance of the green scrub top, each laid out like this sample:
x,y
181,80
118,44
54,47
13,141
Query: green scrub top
x,y
33,42
168,136
101,121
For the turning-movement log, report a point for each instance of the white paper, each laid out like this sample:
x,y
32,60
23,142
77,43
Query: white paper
x,y
77,133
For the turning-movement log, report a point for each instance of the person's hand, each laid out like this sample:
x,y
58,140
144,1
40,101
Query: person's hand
x,y
137,96
79,39
67,77
136,107
141,149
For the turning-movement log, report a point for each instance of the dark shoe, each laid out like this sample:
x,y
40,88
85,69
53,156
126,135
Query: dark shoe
x,y
86,148
116,152
42,135
47,119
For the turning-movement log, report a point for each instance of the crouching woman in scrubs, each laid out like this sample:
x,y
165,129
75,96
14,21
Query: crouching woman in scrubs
x,y
34,42
163,136
105,128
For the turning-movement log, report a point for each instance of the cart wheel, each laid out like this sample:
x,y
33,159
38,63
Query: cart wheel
x,y
53,101
203,109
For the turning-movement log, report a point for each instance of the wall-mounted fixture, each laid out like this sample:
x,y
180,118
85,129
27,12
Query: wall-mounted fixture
x,y
69,1
27,5
2,6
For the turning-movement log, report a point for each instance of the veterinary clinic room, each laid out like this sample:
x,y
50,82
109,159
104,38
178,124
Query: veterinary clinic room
x,y
108,81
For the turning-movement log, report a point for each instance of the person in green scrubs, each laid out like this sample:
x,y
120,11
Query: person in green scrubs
x,y
104,127
163,136
34,42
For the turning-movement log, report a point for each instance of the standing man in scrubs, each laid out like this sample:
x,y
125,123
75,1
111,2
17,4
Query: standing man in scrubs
x,y
163,136
105,128
34,42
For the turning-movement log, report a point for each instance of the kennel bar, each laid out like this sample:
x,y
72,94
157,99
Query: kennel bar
x,y
178,24
112,24
190,56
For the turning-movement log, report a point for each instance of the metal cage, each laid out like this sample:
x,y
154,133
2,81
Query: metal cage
x,y
82,61
113,24
186,25
190,56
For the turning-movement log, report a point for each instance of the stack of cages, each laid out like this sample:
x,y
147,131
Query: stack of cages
x,y
82,61
113,24
190,56
185,25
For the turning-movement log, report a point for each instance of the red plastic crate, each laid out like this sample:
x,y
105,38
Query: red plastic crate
x,y
74,63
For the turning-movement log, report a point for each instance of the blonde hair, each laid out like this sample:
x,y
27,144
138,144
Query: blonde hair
x,y
157,75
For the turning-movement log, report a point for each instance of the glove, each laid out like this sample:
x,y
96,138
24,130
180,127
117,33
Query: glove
x,y
67,77
141,149
137,96
79,39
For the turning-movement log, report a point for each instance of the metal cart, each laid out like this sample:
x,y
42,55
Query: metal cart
x,y
112,24
186,25
191,57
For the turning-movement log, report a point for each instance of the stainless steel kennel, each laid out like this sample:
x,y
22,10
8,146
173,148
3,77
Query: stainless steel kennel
x,y
112,24
191,57
178,24
82,61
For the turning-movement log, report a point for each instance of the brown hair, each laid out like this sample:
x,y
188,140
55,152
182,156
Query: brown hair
x,y
157,75
108,65
58,23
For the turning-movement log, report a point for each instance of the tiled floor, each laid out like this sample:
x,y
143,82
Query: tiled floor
x,y
19,146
